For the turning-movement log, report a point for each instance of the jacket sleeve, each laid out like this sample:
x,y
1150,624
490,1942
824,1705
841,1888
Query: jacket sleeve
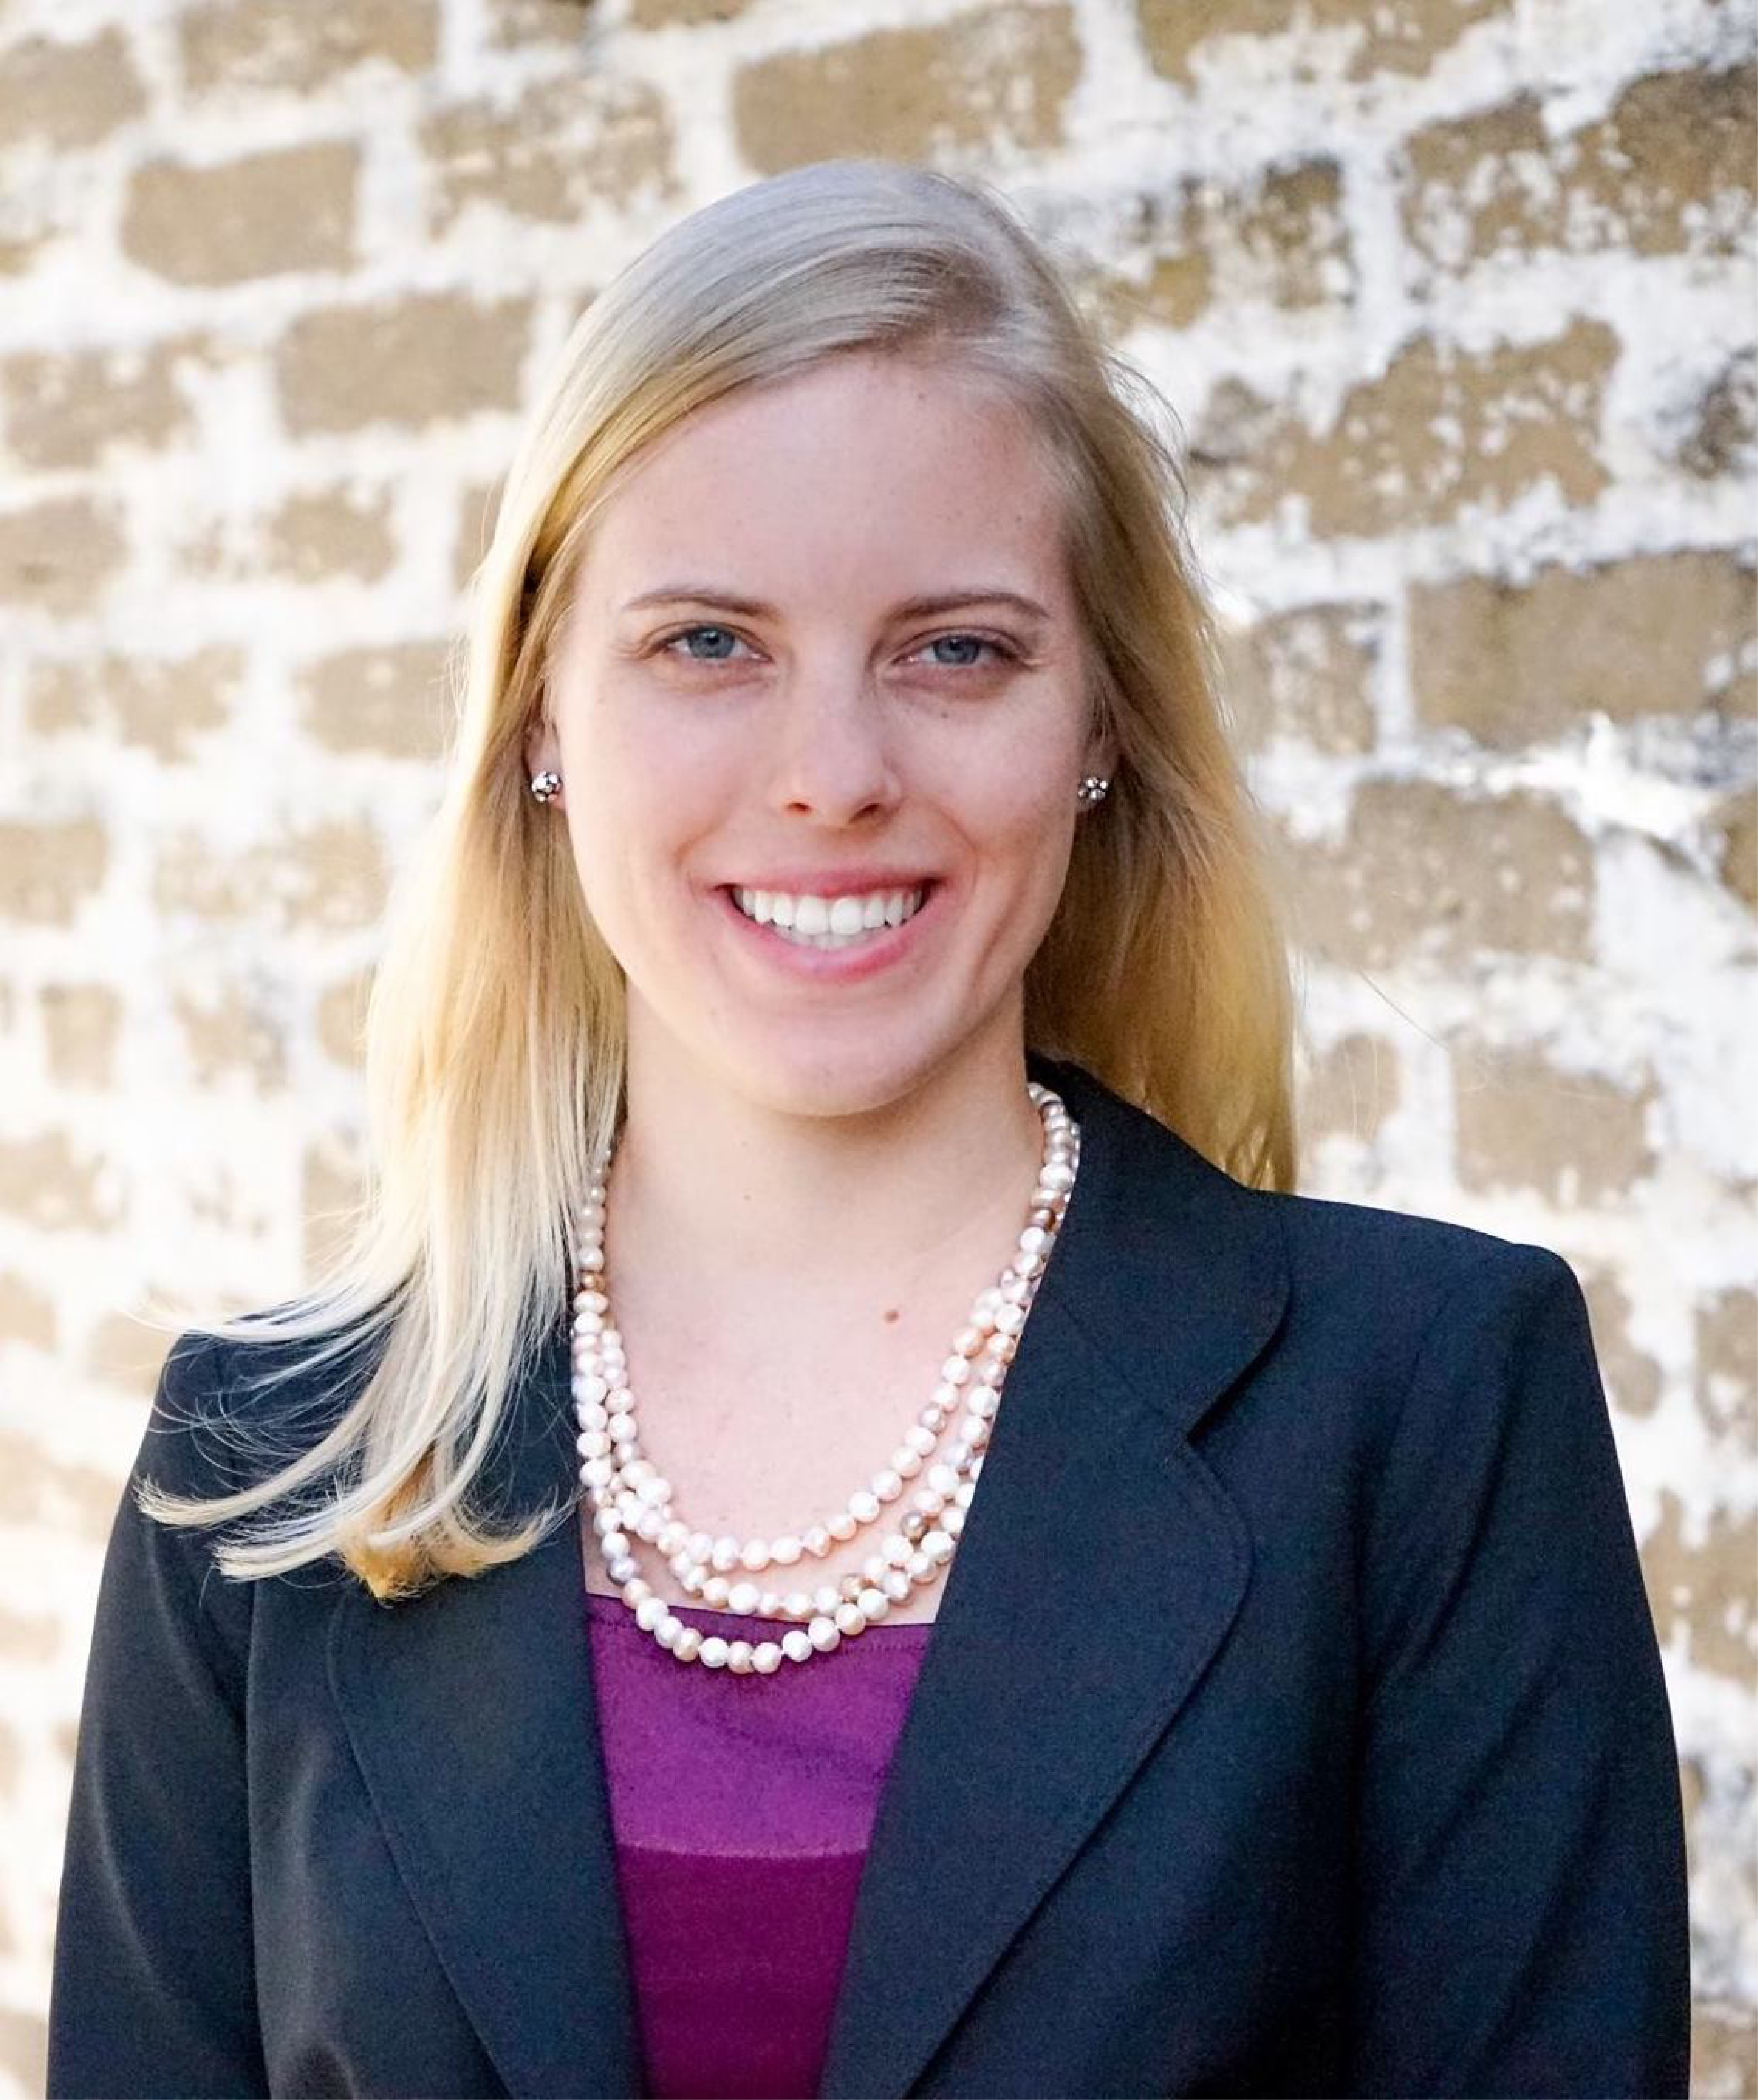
x,y
1520,1907
153,1988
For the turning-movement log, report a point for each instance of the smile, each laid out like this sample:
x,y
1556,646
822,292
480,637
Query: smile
x,y
829,923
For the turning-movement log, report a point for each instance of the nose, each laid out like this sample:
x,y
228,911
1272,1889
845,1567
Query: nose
x,y
832,756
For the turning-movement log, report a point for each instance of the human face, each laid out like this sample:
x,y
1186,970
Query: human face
x,y
747,698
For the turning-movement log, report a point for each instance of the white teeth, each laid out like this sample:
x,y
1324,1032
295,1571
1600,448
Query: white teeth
x,y
828,922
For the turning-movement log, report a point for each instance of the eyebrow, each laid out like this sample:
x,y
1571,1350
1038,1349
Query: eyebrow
x,y
911,608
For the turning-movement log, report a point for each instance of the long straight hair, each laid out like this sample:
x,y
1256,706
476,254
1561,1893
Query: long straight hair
x,y
495,1031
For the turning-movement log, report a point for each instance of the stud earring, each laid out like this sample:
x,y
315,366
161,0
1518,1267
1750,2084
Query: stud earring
x,y
545,786
1091,790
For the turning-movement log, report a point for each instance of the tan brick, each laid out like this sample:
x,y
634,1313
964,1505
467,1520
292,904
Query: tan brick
x,y
331,877
1723,434
1733,836
19,252
995,77
160,707
319,533
1668,169
1724,2045
512,24
1394,36
421,359
231,1031
1515,663
28,1637
1308,674
1441,431
69,409
1281,242
1457,879
260,216
565,147
342,1019
1632,1376
68,95
46,1493
1350,1089
27,1314
477,509
1727,1365
1519,1123
1698,1571
58,555
47,870
395,700
24,2050
44,1181
80,1024
334,1184
684,13
232,45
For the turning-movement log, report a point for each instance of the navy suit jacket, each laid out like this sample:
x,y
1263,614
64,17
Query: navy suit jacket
x,y
1293,1724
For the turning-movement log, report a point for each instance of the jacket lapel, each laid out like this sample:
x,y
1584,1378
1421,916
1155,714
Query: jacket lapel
x,y
472,1715
1101,1567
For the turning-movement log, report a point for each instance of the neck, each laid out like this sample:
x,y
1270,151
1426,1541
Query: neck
x,y
736,1196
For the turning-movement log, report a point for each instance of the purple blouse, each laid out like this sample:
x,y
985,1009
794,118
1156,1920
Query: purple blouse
x,y
741,1808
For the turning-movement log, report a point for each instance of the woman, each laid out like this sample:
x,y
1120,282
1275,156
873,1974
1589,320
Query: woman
x,y
843,894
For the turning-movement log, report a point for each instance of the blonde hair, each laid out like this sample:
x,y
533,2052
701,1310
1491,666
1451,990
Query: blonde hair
x,y
495,1047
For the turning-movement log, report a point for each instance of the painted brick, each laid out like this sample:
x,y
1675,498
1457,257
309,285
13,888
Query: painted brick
x,y
428,358
261,216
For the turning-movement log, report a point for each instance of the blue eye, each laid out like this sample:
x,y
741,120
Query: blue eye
x,y
976,640
687,633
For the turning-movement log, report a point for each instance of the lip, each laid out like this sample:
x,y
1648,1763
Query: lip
x,y
834,965
834,882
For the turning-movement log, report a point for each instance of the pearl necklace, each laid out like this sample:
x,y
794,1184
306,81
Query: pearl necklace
x,y
631,1500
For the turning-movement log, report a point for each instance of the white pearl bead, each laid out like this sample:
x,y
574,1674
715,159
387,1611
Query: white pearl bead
x,y
592,1443
851,1618
649,1612
797,1604
842,1526
817,1541
873,1567
896,1549
596,1472
936,1545
1010,1319
967,1342
725,1554
700,1545
921,1569
864,1505
906,1462
739,1658
956,1371
875,1603
825,1599
590,1388
714,1652
887,1486
670,1537
942,1479
920,1440
825,1634
687,1648
666,1632
766,1658
796,1644
896,1586
755,1556
743,1598
952,1521
785,1551
621,1567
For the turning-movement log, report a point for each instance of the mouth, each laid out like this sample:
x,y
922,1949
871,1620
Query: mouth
x,y
840,938
850,919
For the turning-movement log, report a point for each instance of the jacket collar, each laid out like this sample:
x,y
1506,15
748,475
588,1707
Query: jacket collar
x,y
471,1710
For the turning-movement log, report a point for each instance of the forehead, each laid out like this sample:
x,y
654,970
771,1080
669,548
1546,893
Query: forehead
x,y
862,474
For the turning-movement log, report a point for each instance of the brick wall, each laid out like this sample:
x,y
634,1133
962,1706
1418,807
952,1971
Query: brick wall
x,y
1455,298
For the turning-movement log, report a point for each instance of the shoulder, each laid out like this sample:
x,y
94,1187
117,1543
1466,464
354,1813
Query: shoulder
x,y
229,1409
